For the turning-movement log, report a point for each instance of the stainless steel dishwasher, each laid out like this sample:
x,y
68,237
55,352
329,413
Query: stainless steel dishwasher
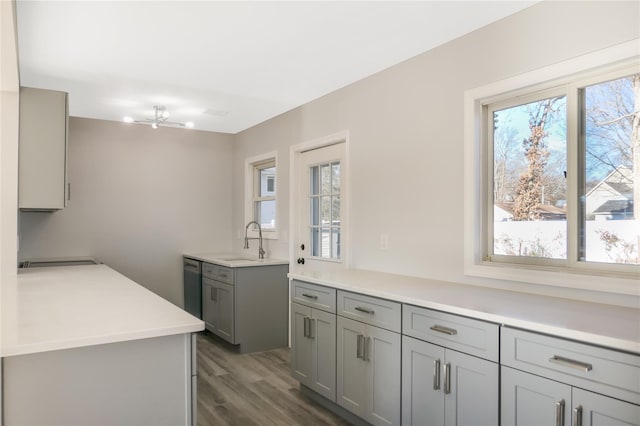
x,y
193,286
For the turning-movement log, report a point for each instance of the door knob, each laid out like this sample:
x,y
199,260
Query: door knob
x,y
301,261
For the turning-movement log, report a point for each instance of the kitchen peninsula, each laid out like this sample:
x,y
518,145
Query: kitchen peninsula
x,y
76,337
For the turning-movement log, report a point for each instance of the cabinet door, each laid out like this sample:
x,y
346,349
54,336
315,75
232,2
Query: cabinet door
x,y
225,320
301,345
324,353
472,397
351,384
382,353
529,400
592,409
209,308
422,395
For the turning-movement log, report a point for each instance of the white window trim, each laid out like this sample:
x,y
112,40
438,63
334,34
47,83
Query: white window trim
x,y
475,180
249,188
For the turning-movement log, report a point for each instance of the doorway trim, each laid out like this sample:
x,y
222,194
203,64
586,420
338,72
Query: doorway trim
x,y
294,203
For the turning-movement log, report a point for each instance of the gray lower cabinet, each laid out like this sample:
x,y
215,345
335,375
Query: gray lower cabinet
x,y
549,380
246,306
218,308
445,387
313,349
532,400
369,371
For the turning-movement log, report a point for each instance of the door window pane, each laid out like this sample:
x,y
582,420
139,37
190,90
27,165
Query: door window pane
x,y
324,204
610,220
529,179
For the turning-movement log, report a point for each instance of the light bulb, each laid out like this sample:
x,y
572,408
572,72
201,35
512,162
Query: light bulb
x,y
189,124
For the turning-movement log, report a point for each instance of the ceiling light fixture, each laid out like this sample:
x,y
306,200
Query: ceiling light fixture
x,y
160,118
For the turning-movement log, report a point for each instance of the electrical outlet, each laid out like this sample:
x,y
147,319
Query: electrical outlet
x,y
384,241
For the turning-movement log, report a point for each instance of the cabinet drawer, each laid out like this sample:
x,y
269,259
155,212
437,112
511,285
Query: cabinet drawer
x,y
601,370
371,310
224,274
475,337
209,270
313,295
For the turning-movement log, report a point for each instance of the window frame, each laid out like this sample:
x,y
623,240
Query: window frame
x,y
253,166
565,77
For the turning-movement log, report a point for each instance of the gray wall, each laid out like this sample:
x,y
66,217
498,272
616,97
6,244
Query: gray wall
x,y
406,137
140,198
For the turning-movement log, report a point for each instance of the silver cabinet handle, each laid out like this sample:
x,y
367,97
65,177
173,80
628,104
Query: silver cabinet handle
x,y
310,296
306,327
445,330
312,328
577,416
447,378
359,346
560,413
365,349
365,310
567,362
436,374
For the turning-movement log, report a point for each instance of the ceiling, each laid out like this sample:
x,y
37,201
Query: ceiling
x,y
226,66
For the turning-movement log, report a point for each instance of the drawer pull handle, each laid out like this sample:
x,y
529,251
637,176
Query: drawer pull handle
x,y
577,416
445,330
560,413
310,296
365,310
447,378
436,374
566,362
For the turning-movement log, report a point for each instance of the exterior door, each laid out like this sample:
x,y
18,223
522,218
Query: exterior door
x,y
529,400
321,218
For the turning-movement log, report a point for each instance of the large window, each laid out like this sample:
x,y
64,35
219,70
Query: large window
x,y
555,175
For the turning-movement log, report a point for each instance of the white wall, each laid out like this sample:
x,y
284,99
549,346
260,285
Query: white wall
x,y
140,198
406,138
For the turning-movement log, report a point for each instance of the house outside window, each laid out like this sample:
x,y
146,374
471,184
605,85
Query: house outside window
x,y
260,193
556,171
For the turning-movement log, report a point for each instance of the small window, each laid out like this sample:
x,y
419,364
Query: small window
x,y
264,196
260,194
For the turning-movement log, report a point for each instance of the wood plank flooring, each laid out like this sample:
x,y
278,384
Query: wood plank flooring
x,y
252,389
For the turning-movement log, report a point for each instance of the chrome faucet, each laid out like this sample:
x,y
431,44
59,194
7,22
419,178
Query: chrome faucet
x,y
246,238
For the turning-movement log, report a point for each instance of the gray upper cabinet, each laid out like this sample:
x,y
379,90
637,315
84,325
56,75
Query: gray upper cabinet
x,y
369,371
42,164
442,386
246,306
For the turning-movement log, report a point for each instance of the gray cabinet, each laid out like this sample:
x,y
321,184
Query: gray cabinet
x,y
313,349
529,400
42,169
549,380
218,308
441,386
368,371
246,306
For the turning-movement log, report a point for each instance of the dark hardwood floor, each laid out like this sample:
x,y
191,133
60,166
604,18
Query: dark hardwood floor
x,y
252,389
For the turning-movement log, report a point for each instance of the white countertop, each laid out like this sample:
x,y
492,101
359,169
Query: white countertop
x,y
605,325
235,260
72,306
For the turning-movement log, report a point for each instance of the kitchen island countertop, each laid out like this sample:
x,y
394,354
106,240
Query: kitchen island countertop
x,y
73,306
